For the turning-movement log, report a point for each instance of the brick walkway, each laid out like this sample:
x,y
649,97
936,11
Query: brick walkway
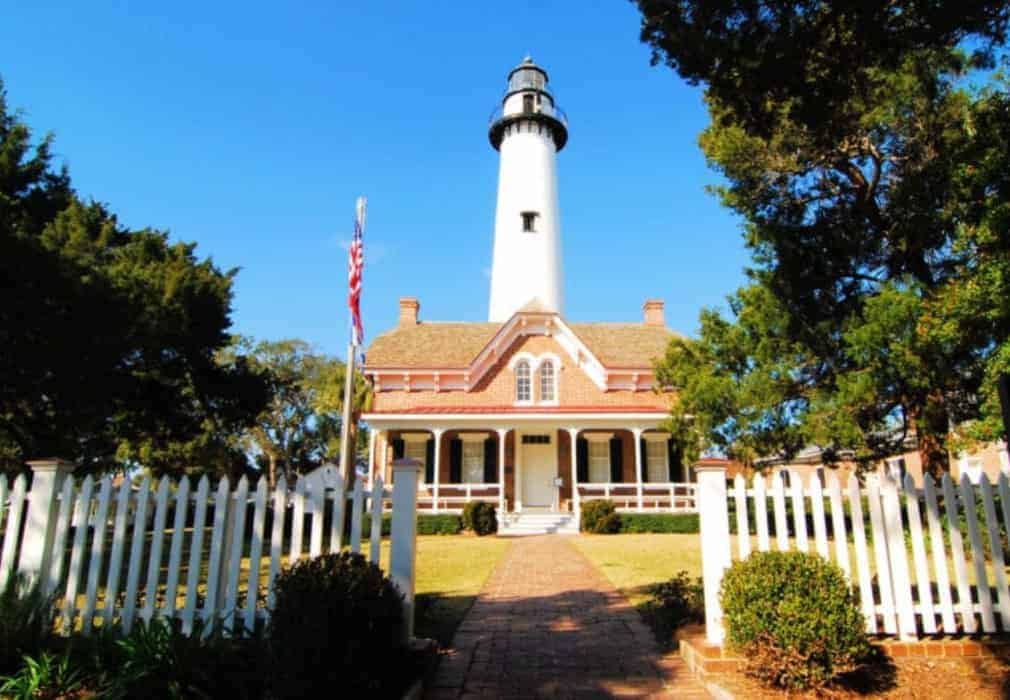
x,y
548,624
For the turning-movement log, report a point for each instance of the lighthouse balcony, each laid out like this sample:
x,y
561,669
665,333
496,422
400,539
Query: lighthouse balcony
x,y
551,119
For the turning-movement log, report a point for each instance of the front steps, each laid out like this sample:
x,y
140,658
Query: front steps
x,y
537,523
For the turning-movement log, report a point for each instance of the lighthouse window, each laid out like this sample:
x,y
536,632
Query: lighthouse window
x,y
527,103
529,221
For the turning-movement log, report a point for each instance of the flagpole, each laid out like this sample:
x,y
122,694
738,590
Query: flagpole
x,y
346,448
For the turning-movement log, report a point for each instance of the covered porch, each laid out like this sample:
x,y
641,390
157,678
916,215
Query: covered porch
x,y
536,463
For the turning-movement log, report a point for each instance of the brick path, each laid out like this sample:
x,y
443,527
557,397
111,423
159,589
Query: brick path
x,y
548,624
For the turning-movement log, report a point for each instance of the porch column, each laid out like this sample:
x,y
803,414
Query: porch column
x,y
573,434
372,435
502,432
637,432
437,433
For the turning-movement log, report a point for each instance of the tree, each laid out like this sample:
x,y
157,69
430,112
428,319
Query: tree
x,y
867,170
300,427
329,400
109,335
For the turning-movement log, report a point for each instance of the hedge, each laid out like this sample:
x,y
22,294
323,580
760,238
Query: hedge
x,y
681,523
442,524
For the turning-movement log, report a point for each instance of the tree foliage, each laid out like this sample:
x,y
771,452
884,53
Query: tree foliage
x,y
871,176
110,336
299,429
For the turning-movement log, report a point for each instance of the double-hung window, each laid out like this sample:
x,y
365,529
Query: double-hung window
x,y
599,461
547,379
524,389
657,459
473,461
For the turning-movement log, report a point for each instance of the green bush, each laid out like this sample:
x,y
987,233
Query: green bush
x,y
681,523
600,518
673,604
337,623
26,623
793,617
158,660
480,517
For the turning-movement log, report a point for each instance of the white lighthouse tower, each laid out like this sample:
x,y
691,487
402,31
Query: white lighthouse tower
x,y
528,130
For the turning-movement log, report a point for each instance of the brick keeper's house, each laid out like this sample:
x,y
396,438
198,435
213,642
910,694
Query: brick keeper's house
x,y
530,411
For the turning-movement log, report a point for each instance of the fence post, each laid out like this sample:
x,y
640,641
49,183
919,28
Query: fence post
x,y
715,545
403,536
48,476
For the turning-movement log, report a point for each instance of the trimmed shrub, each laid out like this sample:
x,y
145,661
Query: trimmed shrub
x,y
682,523
337,623
480,517
444,524
674,603
793,617
600,518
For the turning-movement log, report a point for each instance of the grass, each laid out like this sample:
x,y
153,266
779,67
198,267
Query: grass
x,y
633,563
451,570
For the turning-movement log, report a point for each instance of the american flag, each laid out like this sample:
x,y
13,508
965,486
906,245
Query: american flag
x,y
356,264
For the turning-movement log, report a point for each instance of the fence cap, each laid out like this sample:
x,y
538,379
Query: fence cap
x,y
708,468
51,464
407,463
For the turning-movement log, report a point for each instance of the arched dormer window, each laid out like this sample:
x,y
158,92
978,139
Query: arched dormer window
x,y
524,390
548,382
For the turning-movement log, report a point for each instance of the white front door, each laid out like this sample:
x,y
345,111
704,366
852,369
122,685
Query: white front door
x,y
539,467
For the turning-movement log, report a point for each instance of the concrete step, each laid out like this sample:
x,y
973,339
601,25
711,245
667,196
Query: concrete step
x,y
522,524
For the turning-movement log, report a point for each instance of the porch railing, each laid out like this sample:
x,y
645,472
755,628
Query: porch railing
x,y
452,497
667,497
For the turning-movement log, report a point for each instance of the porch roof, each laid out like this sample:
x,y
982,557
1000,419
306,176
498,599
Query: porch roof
x,y
508,417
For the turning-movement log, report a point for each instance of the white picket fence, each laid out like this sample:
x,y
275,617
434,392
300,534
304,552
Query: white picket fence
x,y
112,554
899,566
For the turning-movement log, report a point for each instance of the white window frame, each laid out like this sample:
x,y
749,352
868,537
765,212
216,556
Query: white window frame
x,y
599,462
524,374
473,457
599,457
660,462
551,383
415,446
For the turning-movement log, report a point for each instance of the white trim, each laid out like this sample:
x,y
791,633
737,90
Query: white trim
x,y
519,357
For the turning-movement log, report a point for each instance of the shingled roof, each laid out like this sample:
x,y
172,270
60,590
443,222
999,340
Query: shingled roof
x,y
440,345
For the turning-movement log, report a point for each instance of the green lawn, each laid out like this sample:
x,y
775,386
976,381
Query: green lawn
x,y
634,562
451,570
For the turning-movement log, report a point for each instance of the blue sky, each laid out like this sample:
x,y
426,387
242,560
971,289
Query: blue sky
x,y
252,127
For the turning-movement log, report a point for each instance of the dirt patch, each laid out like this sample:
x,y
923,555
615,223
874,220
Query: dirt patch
x,y
907,679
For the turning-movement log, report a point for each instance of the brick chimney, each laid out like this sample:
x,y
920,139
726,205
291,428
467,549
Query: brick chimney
x,y
653,309
409,306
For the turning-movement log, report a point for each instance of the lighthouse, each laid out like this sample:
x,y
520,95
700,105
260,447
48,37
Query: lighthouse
x,y
528,130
